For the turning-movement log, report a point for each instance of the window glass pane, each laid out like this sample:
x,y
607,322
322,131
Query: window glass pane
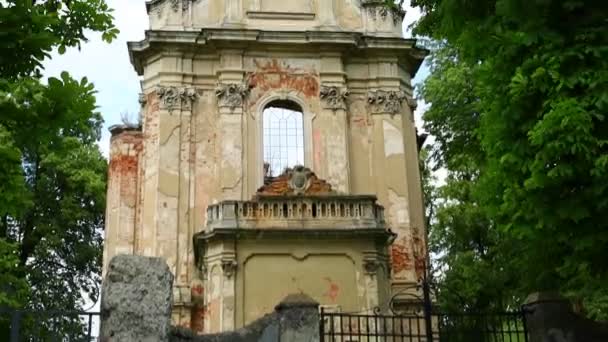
x,y
283,138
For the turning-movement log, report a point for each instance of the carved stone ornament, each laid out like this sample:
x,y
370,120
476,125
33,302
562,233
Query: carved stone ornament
x,y
143,99
412,103
380,9
172,98
232,95
371,266
334,97
157,5
229,268
299,180
384,101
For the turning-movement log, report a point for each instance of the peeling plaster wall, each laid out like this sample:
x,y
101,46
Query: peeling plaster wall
x,y
332,272
204,151
193,157
384,161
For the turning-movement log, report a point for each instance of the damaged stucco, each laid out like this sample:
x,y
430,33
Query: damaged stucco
x,y
209,69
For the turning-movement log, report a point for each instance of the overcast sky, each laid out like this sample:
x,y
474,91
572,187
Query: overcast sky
x,y
109,68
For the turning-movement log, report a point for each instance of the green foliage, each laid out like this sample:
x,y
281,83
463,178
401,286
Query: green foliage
x,y
13,288
52,175
31,29
519,94
59,183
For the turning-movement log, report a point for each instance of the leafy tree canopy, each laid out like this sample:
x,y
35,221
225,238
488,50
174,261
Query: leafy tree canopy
x,y
52,175
519,96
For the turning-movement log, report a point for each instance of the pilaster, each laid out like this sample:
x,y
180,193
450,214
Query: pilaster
x,y
395,159
376,277
333,122
326,14
166,198
231,93
229,269
234,13
220,265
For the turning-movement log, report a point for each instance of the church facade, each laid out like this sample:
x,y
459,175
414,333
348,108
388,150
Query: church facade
x,y
277,154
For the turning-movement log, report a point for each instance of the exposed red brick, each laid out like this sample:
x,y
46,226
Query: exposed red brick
x,y
420,254
279,186
400,257
122,164
125,167
197,319
274,75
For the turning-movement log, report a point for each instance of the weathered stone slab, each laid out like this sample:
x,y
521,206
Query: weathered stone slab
x,y
296,319
136,300
550,317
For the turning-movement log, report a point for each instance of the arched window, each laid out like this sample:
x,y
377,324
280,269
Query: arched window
x,y
283,137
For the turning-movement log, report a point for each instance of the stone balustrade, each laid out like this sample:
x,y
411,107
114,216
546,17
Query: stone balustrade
x,y
321,212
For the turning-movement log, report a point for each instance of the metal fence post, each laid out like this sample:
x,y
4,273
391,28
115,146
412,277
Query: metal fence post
x,y
524,316
322,325
15,325
428,308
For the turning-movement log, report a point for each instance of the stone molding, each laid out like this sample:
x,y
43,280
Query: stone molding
x,y
378,9
185,41
382,101
334,97
172,98
232,95
280,15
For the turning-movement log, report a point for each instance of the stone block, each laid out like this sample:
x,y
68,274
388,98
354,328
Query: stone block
x,y
550,317
136,300
296,319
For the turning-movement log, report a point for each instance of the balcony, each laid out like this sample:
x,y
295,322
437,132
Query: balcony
x,y
329,212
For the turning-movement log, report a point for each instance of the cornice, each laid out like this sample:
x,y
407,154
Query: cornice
x,y
217,38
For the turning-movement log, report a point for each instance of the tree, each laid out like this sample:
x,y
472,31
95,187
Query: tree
x,y
463,239
52,175
519,96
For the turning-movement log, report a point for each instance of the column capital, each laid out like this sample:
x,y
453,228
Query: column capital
x,y
386,101
333,97
176,98
232,95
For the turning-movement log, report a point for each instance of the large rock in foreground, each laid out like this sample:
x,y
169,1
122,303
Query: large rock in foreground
x,y
136,300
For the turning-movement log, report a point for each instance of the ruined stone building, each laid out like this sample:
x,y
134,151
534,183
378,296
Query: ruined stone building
x,y
277,154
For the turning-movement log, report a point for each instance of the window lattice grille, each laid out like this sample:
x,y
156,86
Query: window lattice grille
x,y
283,139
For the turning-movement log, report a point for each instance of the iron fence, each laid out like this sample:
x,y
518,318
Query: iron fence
x,y
461,327
48,326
